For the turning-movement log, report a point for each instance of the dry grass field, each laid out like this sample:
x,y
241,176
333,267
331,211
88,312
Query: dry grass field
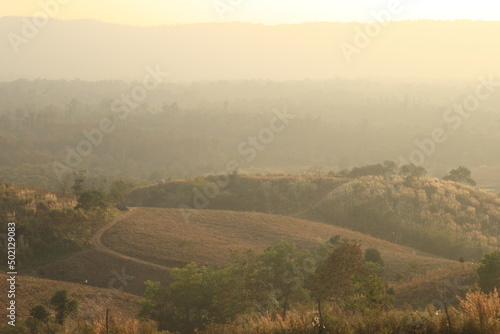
x,y
92,301
448,282
162,236
103,270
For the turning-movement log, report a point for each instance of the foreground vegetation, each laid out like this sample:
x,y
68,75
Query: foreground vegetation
x,y
477,313
331,290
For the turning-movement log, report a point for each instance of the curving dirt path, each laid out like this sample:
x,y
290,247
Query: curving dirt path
x,y
97,242
343,186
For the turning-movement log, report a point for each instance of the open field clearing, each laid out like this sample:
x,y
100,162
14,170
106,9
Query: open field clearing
x,y
162,235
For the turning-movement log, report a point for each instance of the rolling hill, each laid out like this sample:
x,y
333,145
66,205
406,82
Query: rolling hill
x,y
161,236
128,246
440,217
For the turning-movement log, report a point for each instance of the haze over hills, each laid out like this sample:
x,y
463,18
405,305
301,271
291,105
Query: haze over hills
x,y
92,50
249,178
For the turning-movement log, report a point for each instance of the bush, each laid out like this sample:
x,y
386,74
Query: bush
x,y
373,255
40,313
63,305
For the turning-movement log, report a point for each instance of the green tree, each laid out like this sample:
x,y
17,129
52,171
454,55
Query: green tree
x,y
192,293
63,305
196,296
40,313
373,255
79,180
460,174
371,291
117,191
154,304
92,200
247,271
377,169
489,272
391,168
334,277
412,172
282,263
335,240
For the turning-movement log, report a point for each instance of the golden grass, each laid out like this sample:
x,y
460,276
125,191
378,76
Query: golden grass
x,y
93,302
453,280
477,313
481,312
101,269
161,235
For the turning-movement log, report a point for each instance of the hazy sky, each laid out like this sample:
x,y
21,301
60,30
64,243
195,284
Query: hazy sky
x,y
155,12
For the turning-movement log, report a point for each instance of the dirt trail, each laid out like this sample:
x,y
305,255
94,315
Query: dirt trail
x,y
97,242
322,200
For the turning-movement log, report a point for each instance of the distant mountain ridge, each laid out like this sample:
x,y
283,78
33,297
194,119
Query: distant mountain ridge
x,y
92,50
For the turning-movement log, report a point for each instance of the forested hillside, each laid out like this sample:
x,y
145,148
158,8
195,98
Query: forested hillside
x,y
48,225
185,130
441,217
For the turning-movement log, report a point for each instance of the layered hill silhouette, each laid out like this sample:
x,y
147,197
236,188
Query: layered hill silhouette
x,y
145,242
228,51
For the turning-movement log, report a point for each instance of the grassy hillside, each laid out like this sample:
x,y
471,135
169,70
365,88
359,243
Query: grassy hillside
x,y
92,301
453,281
440,217
102,270
162,235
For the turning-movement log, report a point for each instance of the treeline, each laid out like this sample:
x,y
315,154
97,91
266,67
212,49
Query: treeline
x,y
278,194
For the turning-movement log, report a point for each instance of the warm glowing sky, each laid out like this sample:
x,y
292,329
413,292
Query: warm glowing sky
x,y
154,12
